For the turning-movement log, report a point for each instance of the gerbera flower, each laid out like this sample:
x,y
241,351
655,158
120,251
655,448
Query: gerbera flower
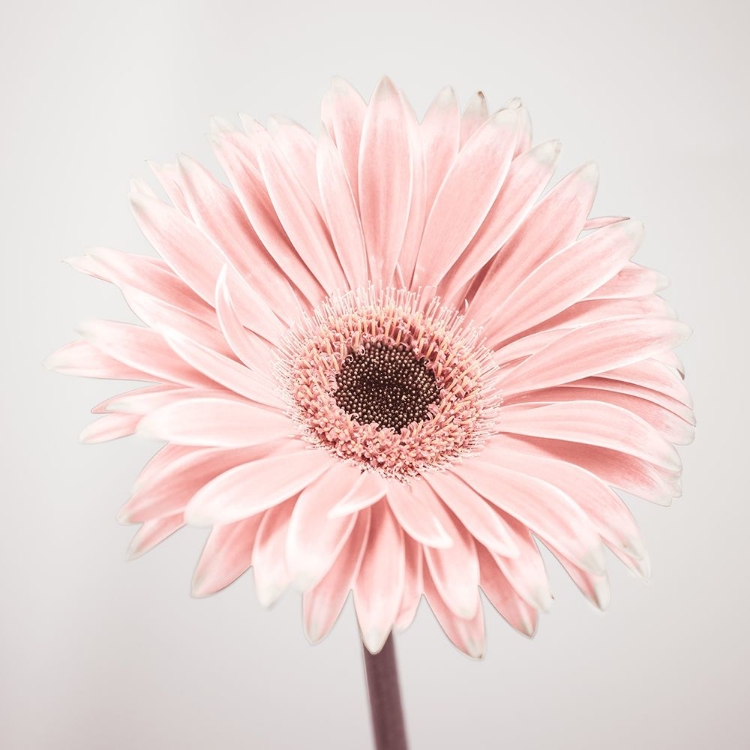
x,y
385,360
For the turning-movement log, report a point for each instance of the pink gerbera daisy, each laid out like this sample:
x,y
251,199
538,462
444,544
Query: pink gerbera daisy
x,y
385,360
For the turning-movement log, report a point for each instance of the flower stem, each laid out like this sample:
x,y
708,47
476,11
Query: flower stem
x,y
385,698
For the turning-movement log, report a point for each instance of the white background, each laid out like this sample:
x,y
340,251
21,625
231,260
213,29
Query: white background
x,y
97,653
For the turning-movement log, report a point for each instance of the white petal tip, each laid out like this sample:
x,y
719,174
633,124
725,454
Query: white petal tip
x,y
543,599
374,640
475,649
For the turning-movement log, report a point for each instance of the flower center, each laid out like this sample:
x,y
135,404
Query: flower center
x,y
390,381
387,385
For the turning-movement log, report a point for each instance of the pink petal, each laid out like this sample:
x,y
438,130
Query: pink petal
x,y
340,212
602,221
82,359
198,261
610,515
168,177
121,401
218,212
593,423
672,427
367,490
380,583
160,315
141,349
152,533
269,563
626,472
475,115
321,605
418,510
249,348
441,135
542,507
251,190
298,215
566,278
593,349
226,556
418,209
503,596
315,540
385,180
654,375
595,587
217,422
343,113
299,149
473,511
413,585
455,573
526,572
109,427
159,463
527,176
173,478
145,400
232,375
467,635
632,281
466,195
254,487
552,224
149,275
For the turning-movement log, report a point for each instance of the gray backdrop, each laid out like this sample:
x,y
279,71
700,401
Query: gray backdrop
x,y
97,653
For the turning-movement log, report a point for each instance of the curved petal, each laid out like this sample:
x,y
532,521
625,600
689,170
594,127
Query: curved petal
x,y
542,507
298,215
473,511
593,423
441,137
385,180
340,211
367,490
419,512
141,349
249,348
315,540
173,480
152,533
220,369
218,212
343,113
552,224
593,349
466,634
413,585
613,520
527,177
503,596
109,427
566,278
466,195
475,115
219,422
254,487
455,573
271,574
380,582
321,605
227,555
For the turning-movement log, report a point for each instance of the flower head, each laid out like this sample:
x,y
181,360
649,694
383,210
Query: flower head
x,y
385,360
